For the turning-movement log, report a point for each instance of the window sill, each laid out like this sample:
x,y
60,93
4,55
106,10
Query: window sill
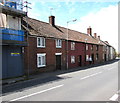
x,y
41,66
58,47
40,46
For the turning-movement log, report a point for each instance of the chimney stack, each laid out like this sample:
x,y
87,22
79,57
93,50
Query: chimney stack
x,y
107,42
52,20
89,30
95,35
99,37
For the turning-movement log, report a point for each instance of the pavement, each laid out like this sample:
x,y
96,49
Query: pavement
x,y
48,74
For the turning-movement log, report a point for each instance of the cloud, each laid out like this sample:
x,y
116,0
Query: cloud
x,y
103,22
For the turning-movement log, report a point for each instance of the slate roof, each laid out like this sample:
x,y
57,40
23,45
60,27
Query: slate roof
x,y
40,28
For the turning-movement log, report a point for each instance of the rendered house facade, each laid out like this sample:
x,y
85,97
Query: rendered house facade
x,y
12,39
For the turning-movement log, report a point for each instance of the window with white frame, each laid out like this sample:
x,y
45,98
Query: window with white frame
x,y
72,45
41,60
58,43
97,56
97,47
72,59
103,56
41,42
91,47
87,57
86,46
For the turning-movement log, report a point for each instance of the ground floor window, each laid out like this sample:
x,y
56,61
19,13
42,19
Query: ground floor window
x,y
97,56
41,60
72,59
87,57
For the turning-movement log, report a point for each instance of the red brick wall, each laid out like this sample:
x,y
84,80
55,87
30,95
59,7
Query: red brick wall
x,y
50,50
79,50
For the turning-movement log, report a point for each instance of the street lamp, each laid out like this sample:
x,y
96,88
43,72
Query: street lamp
x,y
67,38
85,49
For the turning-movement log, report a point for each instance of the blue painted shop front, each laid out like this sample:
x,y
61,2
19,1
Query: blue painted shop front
x,y
12,57
12,62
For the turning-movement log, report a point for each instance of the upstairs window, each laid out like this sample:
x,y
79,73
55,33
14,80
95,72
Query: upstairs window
x,y
91,47
41,42
72,45
86,46
97,47
58,43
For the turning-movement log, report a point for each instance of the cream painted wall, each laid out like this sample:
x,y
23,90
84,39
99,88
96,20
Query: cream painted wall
x,y
10,22
2,20
13,22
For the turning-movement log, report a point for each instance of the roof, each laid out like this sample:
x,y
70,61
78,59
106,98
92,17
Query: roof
x,y
40,28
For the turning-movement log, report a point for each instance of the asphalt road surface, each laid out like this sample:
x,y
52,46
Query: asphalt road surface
x,y
93,84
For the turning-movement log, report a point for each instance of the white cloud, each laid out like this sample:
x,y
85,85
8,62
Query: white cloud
x,y
104,23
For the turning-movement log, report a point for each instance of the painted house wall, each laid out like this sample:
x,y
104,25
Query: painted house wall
x,y
10,21
13,22
2,20
12,52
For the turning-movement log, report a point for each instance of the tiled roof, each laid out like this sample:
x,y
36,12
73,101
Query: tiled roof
x,y
39,28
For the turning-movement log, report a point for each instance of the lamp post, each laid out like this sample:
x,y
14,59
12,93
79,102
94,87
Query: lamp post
x,y
85,49
67,38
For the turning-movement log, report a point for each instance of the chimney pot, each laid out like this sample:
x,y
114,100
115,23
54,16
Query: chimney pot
x,y
99,37
95,35
89,30
52,20
107,42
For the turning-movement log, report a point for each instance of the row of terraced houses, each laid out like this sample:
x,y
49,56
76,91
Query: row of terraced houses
x,y
30,46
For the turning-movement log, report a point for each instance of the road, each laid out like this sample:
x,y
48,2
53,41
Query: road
x,y
93,84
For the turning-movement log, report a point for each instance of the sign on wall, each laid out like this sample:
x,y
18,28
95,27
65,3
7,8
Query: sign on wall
x,y
15,54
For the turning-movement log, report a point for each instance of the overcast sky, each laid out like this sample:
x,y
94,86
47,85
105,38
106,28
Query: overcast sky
x,y
101,16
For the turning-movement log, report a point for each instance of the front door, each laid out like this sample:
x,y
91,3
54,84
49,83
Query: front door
x,y
105,57
80,60
58,61
93,58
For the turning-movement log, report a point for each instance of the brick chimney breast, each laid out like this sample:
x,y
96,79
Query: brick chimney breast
x,y
89,30
52,20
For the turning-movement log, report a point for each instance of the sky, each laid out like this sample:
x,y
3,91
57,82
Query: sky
x,y
101,16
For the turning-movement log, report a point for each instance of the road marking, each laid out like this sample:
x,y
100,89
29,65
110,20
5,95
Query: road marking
x,y
110,68
85,77
114,97
95,74
90,75
36,93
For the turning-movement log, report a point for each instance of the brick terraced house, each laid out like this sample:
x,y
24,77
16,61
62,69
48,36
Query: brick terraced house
x,y
50,48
